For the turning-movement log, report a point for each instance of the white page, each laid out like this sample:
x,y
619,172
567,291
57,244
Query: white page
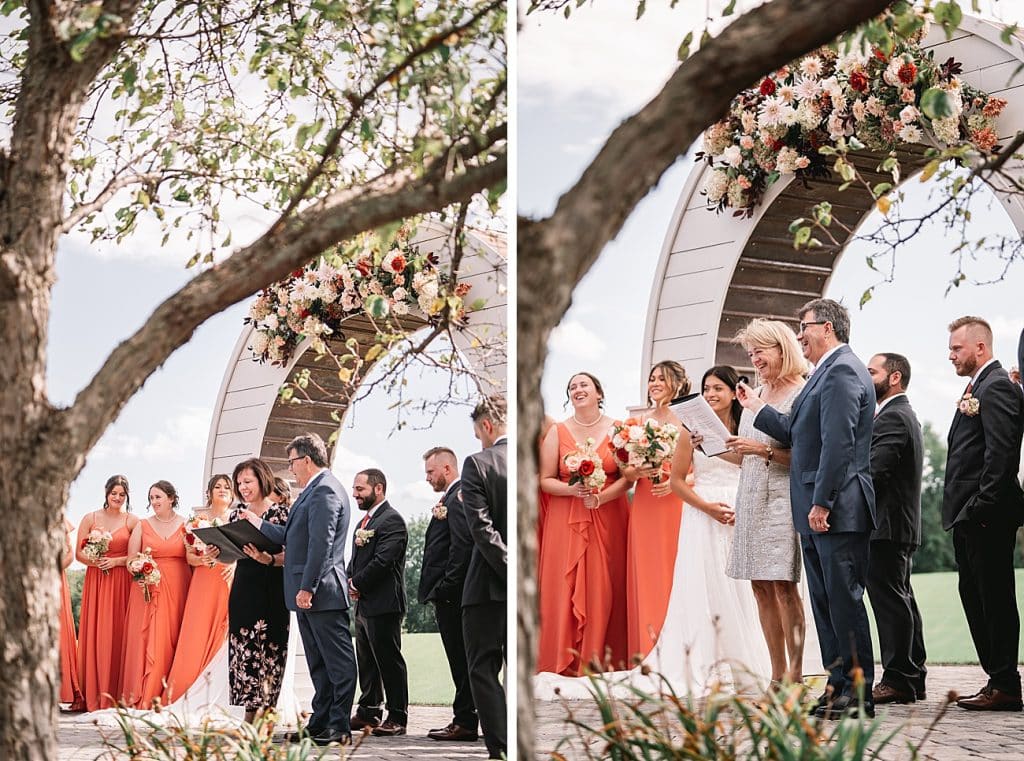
x,y
696,414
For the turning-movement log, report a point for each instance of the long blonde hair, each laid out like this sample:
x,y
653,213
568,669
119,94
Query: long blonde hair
x,y
760,333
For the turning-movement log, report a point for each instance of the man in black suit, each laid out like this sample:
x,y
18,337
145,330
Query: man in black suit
x,y
983,505
484,597
315,585
897,459
446,550
833,499
376,575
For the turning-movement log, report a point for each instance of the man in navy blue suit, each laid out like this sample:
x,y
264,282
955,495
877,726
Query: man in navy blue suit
x,y
316,585
833,499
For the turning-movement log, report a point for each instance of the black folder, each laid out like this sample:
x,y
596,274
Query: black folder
x,y
231,537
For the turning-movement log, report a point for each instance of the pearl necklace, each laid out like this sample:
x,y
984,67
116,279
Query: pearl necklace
x,y
600,416
166,520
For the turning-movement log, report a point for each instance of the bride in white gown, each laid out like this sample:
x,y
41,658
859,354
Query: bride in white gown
x,y
710,639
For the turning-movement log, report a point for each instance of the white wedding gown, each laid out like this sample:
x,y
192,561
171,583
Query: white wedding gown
x,y
712,635
208,699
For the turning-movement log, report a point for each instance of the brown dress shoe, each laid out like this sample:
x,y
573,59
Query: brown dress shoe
x,y
453,732
884,693
358,722
389,729
991,699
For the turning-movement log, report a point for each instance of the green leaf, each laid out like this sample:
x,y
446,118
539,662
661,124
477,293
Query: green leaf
x,y
178,112
949,15
684,47
936,103
729,9
880,188
795,225
405,7
1007,34
641,7
865,297
802,236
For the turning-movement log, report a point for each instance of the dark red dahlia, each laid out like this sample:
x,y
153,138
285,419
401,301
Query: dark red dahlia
x,y
767,86
907,73
859,81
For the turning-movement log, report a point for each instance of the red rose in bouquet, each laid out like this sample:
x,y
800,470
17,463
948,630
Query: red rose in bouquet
x,y
586,467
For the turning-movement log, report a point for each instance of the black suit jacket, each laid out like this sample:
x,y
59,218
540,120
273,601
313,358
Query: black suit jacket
x,y
897,460
984,455
377,569
447,547
484,495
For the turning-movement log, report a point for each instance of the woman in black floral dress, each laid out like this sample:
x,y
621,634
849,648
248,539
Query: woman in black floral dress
x,y
257,617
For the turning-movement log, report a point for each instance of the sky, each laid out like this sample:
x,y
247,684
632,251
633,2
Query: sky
x,y
578,79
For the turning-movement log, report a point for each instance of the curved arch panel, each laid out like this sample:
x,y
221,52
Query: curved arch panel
x,y
717,271
250,420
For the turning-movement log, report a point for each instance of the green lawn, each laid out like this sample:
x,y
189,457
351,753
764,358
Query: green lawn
x,y
430,683
946,637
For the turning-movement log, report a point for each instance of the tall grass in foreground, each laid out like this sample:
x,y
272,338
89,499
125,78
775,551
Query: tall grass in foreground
x,y
634,723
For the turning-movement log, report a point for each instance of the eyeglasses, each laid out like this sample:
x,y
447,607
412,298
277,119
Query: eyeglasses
x,y
803,325
293,459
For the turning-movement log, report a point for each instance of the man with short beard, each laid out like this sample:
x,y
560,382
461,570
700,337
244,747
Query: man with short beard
x,y
897,458
376,577
983,505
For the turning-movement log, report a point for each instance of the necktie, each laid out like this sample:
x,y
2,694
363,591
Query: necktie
x,y
366,519
970,387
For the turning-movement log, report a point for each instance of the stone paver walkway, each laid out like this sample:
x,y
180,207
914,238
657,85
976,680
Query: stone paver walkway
x,y
960,734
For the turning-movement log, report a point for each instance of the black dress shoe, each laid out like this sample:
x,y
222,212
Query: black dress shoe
x,y
360,722
453,732
302,734
329,736
842,706
389,729
821,700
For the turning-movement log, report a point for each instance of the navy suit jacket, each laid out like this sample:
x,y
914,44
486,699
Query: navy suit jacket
x,y
314,540
829,432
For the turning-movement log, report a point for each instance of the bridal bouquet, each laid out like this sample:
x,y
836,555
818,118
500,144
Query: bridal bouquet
x,y
585,466
95,546
644,444
196,544
143,568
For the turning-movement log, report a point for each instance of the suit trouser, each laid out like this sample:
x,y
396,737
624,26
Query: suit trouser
x,y
449,624
837,567
900,634
483,626
382,670
984,556
332,667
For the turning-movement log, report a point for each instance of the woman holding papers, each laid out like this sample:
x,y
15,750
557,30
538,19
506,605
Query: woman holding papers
x,y
653,540
706,637
205,622
582,564
257,617
766,549
156,603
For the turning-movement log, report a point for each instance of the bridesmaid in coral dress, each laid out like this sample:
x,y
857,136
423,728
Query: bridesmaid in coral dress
x,y
70,692
153,626
654,534
101,629
582,563
205,621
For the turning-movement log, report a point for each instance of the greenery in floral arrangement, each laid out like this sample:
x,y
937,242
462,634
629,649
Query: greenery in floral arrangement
x,y
861,96
347,281
656,723
143,739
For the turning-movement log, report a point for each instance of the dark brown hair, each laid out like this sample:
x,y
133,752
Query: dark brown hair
x,y
374,477
167,488
213,482
594,380
676,376
264,476
109,487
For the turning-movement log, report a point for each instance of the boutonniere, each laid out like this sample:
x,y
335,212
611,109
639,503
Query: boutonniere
x,y
440,511
969,405
363,535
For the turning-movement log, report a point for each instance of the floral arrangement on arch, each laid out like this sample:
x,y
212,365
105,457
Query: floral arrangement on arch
x,y
873,101
313,301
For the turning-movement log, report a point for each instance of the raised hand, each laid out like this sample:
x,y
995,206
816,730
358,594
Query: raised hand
x,y
248,515
746,396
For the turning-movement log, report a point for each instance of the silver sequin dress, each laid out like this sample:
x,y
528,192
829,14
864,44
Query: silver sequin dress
x,y
765,546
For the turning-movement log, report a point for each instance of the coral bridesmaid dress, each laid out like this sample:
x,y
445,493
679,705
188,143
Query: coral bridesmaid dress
x,y
101,629
650,563
582,575
153,626
205,623
70,692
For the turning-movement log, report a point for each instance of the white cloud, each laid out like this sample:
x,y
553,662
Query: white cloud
x,y
573,339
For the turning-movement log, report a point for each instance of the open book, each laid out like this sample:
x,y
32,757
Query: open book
x,y
231,537
696,414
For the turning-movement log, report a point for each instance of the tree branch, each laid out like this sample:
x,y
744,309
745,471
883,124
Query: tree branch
x,y
266,260
79,213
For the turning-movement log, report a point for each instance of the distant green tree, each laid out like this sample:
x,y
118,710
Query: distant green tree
x,y
76,578
418,617
936,550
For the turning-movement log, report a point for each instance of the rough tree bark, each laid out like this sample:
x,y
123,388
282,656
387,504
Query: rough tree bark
x,y
43,448
556,252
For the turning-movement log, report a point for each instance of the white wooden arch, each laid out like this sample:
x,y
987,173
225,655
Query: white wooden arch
x,y
249,419
717,271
